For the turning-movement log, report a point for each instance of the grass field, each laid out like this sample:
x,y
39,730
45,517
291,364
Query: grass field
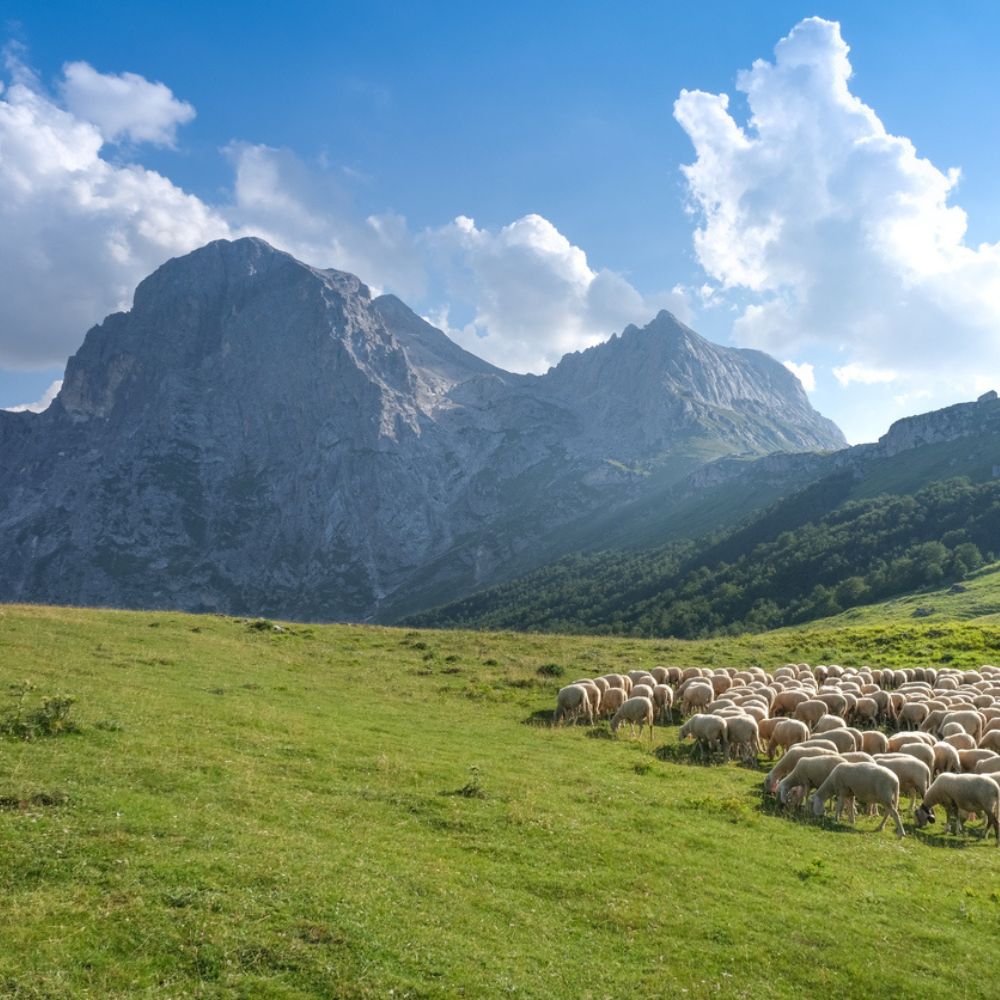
x,y
336,811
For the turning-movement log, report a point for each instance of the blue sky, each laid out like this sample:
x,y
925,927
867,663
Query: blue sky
x,y
562,113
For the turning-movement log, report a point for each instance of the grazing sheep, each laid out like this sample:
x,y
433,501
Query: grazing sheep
x,y
613,699
743,737
866,711
898,740
958,793
786,734
593,693
961,741
973,756
871,784
914,775
635,711
820,741
828,722
808,773
921,751
696,696
913,713
708,731
572,701
990,740
810,711
642,691
788,762
874,742
663,701
989,766
843,739
946,758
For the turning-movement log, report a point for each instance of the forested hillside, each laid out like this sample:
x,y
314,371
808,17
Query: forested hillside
x,y
807,557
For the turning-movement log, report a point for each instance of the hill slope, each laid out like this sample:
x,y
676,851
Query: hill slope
x,y
836,543
273,814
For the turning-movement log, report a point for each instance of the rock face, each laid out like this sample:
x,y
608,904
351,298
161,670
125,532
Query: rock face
x,y
259,436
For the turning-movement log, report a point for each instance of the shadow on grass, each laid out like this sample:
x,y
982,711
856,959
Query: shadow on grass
x,y
14,803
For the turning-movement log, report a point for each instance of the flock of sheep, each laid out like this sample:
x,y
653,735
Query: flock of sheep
x,y
848,735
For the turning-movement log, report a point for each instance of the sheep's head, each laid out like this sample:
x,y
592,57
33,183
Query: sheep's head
x,y
817,805
924,815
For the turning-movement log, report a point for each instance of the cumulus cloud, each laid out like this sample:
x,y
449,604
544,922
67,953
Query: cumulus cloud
x,y
805,373
79,228
124,106
830,231
854,372
533,293
77,232
42,404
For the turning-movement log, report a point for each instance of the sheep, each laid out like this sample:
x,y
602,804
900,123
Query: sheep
x,y
970,720
663,700
741,732
842,739
873,742
708,731
820,741
828,722
989,766
960,793
642,691
696,696
866,711
921,751
970,758
789,760
786,734
946,758
914,775
593,693
572,701
913,713
961,741
808,773
635,710
613,699
898,740
810,712
990,740
868,783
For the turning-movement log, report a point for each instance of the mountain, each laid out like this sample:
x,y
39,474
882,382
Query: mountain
x,y
260,436
863,524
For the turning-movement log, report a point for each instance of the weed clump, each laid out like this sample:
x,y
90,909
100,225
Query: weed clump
x,y
472,789
550,670
51,718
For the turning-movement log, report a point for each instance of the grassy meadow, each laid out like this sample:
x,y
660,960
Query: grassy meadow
x,y
341,811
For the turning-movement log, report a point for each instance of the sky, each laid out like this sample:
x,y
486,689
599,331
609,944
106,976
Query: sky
x,y
815,181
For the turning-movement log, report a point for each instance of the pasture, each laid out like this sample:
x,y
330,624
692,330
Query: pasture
x,y
347,811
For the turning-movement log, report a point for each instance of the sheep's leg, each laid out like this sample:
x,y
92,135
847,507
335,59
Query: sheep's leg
x,y
894,812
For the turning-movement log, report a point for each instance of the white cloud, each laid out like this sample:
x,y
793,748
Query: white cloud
x,y
832,233
854,372
804,372
124,106
533,294
77,232
40,405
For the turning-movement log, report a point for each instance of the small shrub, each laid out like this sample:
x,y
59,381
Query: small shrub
x,y
472,789
550,670
51,718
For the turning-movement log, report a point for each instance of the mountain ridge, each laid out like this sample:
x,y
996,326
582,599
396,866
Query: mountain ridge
x,y
258,435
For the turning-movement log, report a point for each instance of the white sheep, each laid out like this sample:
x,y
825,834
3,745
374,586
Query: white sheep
x,y
663,700
808,773
743,737
786,734
635,711
613,699
572,701
914,775
697,695
960,793
970,758
868,783
946,758
788,762
709,731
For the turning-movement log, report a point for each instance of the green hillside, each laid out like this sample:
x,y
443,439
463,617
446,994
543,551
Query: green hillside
x,y
813,554
333,811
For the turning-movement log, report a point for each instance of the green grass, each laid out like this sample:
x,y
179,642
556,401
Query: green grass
x,y
248,813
